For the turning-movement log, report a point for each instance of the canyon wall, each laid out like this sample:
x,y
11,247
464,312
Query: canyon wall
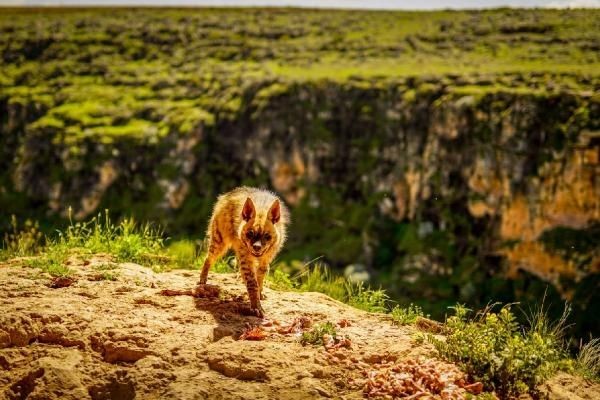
x,y
439,191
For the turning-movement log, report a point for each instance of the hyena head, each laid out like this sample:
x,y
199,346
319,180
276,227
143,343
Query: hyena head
x,y
259,233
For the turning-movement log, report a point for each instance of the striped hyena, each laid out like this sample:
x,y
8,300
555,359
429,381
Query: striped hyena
x,y
253,223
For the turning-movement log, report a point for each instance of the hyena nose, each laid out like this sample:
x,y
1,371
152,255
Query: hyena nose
x,y
257,246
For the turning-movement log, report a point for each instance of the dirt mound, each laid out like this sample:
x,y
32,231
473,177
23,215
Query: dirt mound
x,y
137,334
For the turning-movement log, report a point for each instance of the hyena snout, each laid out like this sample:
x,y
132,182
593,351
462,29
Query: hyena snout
x,y
257,246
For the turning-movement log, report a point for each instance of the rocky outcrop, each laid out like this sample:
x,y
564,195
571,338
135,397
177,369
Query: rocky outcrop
x,y
126,339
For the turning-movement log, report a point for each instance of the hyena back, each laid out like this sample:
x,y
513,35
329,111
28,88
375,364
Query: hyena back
x,y
253,223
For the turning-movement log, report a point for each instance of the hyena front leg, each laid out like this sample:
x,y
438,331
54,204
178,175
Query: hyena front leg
x,y
247,272
261,272
216,249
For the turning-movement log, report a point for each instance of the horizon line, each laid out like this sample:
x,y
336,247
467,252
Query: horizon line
x,y
291,7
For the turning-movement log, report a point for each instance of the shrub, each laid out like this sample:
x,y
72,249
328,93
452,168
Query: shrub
x,y
493,349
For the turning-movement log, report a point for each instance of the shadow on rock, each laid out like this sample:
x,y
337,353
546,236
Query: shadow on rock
x,y
232,313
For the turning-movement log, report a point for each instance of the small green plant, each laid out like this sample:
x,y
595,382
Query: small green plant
x,y
418,338
588,360
406,315
492,348
59,270
315,335
53,262
21,241
107,272
365,298
481,396
108,276
278,279
105,267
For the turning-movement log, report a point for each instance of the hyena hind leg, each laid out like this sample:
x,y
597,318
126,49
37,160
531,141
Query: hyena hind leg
x,y
216,249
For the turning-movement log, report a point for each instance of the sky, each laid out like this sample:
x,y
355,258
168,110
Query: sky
x,y
362,4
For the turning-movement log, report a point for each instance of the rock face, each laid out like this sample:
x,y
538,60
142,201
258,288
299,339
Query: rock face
x,y
124,339
442,185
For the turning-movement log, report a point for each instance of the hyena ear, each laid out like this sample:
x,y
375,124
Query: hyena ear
x,y
248,210
275,212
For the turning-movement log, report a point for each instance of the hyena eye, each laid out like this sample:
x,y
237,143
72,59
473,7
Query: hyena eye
x,y
250,234
267,237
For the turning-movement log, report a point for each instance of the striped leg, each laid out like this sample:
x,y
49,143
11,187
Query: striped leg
x,y
216,249
261,272
247,272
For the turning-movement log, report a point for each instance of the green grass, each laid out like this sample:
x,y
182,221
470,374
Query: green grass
x,y
367,299
225,265
126,241
280,280
319,278
21,241
587,363
109,276
183,254
53,261
406,315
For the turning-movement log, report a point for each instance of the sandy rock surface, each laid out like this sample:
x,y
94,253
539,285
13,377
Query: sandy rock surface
x,y
124,339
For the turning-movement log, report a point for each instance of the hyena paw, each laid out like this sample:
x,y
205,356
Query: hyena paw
x,y
206,290
258,311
